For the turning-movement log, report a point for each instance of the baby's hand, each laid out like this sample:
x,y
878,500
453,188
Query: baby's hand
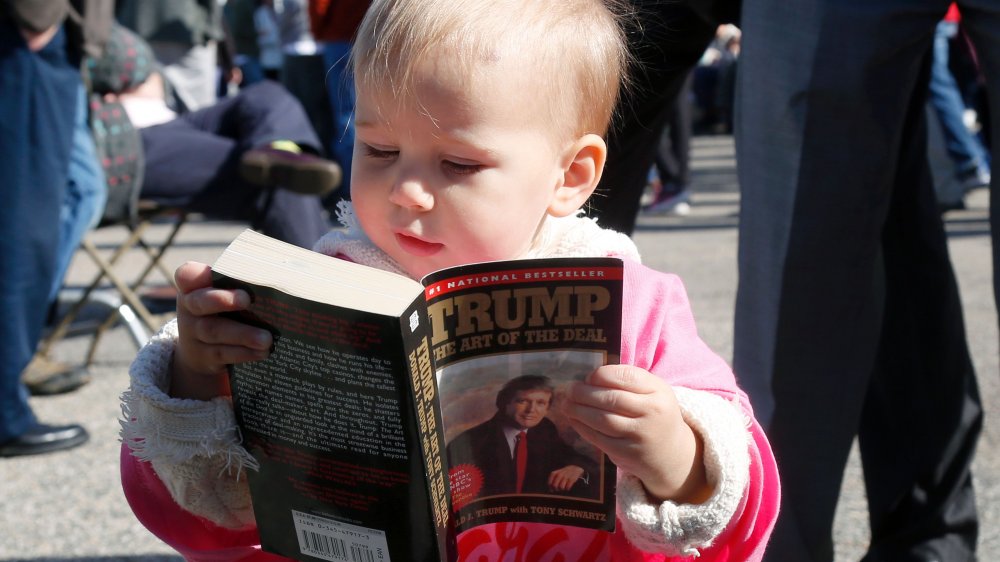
x,y
633,416
209,342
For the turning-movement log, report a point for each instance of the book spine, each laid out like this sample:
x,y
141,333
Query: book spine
x,y
423,393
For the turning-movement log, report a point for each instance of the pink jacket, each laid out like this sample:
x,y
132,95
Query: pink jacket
x,y
658,334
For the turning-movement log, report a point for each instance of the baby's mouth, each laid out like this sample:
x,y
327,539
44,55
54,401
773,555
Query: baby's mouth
x,y
416,246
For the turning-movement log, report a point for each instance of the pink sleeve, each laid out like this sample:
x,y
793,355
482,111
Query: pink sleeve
x,y
659,335
193,537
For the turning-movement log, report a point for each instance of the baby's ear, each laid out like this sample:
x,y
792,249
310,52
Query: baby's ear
x,y
582,167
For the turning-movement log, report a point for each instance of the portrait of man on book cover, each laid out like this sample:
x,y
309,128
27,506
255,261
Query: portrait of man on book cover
x,y
506,436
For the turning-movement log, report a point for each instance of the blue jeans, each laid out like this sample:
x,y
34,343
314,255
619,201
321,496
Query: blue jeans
x,y
38,91
341,90
964,148
86,193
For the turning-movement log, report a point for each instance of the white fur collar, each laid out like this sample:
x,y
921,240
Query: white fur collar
x,y
571,236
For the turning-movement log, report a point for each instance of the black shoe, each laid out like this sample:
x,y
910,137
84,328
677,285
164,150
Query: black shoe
x,y
42,438
45,377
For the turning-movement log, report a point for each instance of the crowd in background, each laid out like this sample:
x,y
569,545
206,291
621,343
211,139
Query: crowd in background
x,y
211,68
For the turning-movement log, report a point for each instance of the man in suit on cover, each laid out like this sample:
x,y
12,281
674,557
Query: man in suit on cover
x,y
519,449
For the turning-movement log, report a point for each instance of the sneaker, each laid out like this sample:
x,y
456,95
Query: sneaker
x,y
298,172
676,204
975,178
650,193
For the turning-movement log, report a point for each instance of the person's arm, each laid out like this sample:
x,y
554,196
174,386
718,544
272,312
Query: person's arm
x,y
179,421
576,472
659,335
193,536
192,445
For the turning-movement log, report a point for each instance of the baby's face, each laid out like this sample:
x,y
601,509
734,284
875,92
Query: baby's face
x,y
462,172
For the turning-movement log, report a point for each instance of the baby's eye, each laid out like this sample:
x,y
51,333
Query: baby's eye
x,y
378,153
460,168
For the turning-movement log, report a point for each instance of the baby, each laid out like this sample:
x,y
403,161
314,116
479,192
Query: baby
x,y
479,136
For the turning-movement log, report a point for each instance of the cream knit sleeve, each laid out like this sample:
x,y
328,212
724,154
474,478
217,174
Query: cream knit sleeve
x,y
193,445
681,529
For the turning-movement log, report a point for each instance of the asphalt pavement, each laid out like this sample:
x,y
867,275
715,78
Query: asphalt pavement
x,y
68,506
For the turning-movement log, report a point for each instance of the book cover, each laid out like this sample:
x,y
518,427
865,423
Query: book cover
x,y
508,338
368,418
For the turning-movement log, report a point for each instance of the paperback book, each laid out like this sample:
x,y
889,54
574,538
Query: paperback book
x,y
394,414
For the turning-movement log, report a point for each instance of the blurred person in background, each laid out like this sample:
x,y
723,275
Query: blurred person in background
x,y
848,320
667,39
333,24
185,36
40,90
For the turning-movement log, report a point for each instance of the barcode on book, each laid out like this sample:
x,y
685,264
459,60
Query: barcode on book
x,y
338,541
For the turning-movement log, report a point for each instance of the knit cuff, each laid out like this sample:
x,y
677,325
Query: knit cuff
x,y
186,441
681,529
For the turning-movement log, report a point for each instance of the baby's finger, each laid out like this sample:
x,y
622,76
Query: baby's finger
x,y
606,423
193,275
230,354
620,402
625,377
606,443
203,302
218,331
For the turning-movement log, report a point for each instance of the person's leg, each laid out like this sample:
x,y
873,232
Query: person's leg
x,y
258,115
811,296
672,39
672,157
255,119
209,181
965,149
86,193
981,18
303,76
706,79
922,415
37,94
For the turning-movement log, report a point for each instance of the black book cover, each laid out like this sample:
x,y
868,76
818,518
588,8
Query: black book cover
x,y
383,418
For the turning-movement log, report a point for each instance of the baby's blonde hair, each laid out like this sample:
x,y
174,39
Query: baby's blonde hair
x,y
573,49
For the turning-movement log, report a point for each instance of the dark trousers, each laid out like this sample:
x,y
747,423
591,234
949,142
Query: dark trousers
x,y
673,153
848,319
193,162
672,37
38,93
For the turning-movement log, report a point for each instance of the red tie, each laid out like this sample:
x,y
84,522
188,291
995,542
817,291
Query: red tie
x,y
521,458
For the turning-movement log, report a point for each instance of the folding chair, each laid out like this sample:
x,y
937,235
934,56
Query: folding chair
x,y
119,147
123,301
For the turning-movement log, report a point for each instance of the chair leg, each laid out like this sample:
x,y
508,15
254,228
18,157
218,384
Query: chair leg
x,y
60,330
126,292
156,255
126,304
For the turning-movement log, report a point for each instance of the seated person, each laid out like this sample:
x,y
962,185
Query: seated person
x,y
221,160
519,449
